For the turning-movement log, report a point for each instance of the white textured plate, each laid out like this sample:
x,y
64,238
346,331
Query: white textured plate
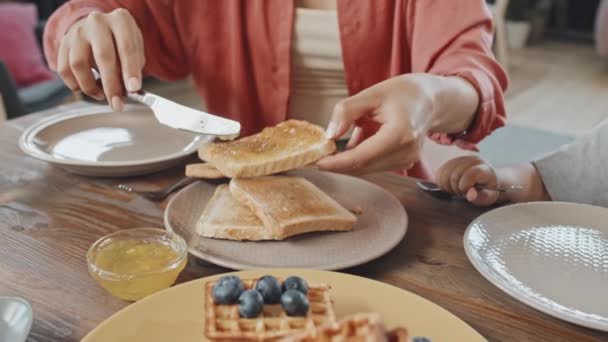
x,y
552,256
380,227
94,141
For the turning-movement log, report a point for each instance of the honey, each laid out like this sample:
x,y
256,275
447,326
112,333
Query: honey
x,y
133,268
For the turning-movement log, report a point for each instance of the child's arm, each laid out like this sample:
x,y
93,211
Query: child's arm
x,y
524,175
575,173
578,172
461,175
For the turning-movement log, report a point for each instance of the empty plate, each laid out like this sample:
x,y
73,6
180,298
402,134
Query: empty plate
x,y
97,142
380,227
16,318
552,256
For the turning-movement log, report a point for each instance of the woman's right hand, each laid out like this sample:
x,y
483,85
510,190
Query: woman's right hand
x,y
113,44
460,176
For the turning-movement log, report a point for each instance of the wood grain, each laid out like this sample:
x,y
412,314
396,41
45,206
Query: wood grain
x,y
49,218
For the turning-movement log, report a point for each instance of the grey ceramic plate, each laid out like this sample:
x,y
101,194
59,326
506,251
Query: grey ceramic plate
x,y
97,142
552,256
380,227
16,317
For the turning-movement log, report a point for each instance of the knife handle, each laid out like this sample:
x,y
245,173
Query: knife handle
x,y
139,96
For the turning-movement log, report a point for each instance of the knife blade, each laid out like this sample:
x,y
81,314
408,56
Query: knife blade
x,y
181,117
177,116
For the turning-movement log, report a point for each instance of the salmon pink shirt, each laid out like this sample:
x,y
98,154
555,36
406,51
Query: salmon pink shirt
x,y
238,51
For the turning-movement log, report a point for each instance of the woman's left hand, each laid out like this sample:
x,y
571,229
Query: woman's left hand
x,y
395,114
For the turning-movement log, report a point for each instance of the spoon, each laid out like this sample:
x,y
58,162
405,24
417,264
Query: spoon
x,y
434,188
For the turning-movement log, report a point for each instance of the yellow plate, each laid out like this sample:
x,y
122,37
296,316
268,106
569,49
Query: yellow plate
x,y
176,314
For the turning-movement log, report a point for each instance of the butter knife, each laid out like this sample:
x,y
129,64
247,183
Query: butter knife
x,y
177,116
181,117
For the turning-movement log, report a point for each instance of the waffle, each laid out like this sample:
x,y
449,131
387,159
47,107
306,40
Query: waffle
x,y
222,322
397,335
359,327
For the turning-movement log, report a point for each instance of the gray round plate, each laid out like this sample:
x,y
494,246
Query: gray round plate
x,y
380,227
94,141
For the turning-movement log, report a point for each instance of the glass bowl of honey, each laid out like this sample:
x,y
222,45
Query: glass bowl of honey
x,y
134,263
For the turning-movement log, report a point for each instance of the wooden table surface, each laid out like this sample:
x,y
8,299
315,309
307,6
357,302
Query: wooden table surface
x,y
49,218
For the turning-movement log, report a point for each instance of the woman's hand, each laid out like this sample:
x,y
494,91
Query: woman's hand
x,y
399,109
460,176
402,110
112,43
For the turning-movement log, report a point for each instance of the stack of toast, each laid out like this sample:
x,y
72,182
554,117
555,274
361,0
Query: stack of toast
x,y
258,205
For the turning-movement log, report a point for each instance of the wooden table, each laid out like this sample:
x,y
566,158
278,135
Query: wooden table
x,y
49,218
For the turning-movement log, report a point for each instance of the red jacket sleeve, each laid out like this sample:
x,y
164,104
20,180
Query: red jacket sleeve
x,y
454,38
165,54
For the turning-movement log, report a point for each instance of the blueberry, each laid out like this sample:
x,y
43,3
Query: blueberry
x,y
251,304
295,283
270,289
295,303
421,339
227,290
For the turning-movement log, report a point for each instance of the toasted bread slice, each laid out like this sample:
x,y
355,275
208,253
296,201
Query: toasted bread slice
x,y
357,327
208,171
287,146
203,171
226,218
291,205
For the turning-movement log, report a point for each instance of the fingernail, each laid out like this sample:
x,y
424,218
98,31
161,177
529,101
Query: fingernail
x,y
331,131
117,104
99,96
472,195
133,84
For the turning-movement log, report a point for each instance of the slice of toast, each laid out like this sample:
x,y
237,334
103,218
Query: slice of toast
x,y
291,205
226,218
287,146
208,171
203,171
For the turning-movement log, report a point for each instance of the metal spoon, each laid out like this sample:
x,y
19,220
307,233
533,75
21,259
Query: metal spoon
x,y
434,188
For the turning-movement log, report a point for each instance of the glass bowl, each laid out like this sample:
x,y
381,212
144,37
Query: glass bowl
x,y
134,263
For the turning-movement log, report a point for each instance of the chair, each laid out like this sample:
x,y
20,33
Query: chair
x,y
40,96
21,101
499,13
2,111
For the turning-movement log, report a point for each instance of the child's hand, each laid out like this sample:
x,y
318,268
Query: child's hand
x,y
460,176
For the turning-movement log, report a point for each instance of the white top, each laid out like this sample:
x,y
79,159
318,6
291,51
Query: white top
x,y
577,172
317,70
